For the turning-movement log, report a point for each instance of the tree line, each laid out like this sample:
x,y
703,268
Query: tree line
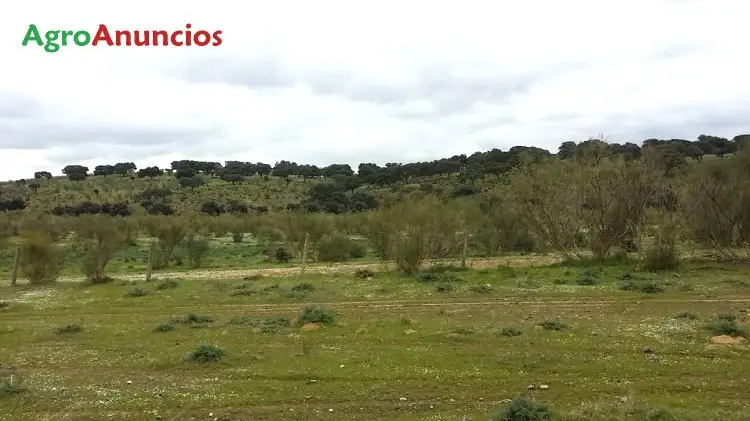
x,y
592,205
493,162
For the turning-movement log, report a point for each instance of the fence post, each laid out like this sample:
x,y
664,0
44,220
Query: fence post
x,y
16,261
304,254
150,267
465,250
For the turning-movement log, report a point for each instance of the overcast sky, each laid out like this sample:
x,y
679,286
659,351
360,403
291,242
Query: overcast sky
x,y
326,81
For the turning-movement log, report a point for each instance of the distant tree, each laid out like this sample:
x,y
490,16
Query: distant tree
x,y
191,182
124,168
43,174
212,208
566,150
150,172
263,169
184,173
76,172
104,170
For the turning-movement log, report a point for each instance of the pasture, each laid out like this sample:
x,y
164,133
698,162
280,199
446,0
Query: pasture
x,y
593,342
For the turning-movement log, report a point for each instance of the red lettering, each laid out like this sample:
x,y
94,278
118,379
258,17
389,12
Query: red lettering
x,y
174,39
137,39
122,34
164,36
188,35
102,34
217,39
202,34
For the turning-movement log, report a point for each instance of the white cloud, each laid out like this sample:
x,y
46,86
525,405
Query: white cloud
x,y
340,81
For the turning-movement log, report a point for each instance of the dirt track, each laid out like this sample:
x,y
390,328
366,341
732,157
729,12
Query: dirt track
x,y
216,274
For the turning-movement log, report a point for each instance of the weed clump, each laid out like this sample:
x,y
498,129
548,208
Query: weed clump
x,y
364,273
69,329
726,326
555,325
137,292
481,289
630,283
445,287
314,314
164,327
192,320
686,315
303,287
170,284
587,278
11,384
207,353
523,408
4,304
511,331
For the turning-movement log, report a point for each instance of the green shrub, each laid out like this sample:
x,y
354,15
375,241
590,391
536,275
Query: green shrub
x,y
364,273
587,278
511,331
726,327
523,408
445,287
481,289
168,284
197,247
686,315
207,353
303,287
164,327
41,259
553,325
11,384
193,320
314,314
334,248
137,292
282,255
69,329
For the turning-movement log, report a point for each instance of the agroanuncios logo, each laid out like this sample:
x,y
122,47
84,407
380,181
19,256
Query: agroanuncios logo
x,y
53,40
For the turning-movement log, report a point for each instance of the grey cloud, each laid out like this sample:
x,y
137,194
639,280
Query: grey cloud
x,y
42,135
16,106
435,83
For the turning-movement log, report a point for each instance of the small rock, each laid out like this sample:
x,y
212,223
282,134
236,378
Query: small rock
x,y
402,399
410,331
130,382
544,386
531,387
330,410
341,366
452,400
648,351
211,414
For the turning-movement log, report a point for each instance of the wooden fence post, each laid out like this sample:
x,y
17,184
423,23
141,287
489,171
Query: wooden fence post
x,y
465,250
150,267
304,254
16,261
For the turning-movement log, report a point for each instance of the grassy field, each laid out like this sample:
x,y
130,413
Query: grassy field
x,y
444,346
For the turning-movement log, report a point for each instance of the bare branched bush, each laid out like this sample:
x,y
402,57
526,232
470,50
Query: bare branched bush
x,y
41,259
410,233
169,232
100,237
716,205
197,247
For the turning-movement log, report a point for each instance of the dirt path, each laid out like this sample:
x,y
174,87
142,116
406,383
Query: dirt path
x,y
216,308
218,274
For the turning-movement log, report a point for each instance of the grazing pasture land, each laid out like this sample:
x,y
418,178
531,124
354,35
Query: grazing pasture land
x,y
593,342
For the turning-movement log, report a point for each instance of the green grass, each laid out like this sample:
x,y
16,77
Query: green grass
x,y
396,349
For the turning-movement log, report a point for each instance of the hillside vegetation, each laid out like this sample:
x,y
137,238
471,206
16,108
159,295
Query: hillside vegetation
x,y
520,285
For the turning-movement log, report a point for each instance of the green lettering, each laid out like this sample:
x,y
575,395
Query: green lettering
x,y
82,38
65,35
32,34
51,37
